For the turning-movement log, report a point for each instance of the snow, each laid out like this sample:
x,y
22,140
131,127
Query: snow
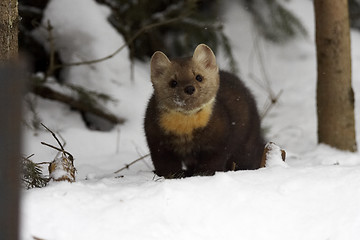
x,y
314,195
273,203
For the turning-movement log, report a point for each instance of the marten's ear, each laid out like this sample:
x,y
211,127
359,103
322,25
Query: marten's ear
x,y
204,56
159,64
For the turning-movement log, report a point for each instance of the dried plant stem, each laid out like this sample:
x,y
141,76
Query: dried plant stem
x,y
49,145
270,105
50,39
133,162
265,83
54,135
28,157
61,149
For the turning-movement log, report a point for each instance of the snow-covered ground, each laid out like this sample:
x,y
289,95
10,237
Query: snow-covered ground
x,y
315,195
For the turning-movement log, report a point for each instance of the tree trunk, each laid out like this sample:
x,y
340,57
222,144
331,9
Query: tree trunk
x,y
9,20
11,90
335,97
11,82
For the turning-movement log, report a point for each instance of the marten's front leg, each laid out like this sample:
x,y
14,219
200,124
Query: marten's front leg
x,y
209,164
167,164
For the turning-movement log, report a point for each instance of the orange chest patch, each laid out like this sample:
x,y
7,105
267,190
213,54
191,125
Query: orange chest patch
x,y
182,124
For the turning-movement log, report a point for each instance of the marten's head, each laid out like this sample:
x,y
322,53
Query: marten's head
x,y
187,84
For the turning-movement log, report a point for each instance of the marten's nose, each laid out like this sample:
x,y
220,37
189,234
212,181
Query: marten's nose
x,y
189,90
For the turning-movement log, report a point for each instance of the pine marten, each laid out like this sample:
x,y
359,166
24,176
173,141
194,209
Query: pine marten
x,y
200,120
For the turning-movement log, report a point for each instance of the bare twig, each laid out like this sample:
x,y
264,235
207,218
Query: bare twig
x,y
41,163
49,145
133,162
37,238
61,146
270,105
265,83
28,157
118,132
54,135
66,152
50,39
127,43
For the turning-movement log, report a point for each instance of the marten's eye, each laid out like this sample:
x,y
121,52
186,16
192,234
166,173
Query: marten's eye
x,y
199,78
173,83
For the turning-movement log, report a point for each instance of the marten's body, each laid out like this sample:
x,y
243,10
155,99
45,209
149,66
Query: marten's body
x,y
200,121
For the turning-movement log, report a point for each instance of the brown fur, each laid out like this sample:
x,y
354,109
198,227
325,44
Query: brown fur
x,y
199,127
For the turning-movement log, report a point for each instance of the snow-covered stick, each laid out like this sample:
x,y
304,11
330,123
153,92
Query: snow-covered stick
x,y
272,153
61,168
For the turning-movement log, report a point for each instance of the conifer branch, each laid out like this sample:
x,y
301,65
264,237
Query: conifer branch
x,y
32,174
46,92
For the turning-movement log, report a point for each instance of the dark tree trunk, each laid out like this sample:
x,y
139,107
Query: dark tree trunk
x,y
11,85
335,97
10,107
